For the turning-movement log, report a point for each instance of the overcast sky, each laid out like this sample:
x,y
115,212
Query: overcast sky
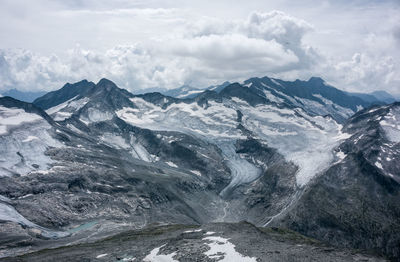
x,y
354,45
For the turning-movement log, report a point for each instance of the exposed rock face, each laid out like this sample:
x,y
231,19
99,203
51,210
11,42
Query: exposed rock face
x,y
101,160
66,93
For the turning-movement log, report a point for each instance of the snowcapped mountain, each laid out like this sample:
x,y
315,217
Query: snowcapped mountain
x,y
355,201
187,91
314,96
237,112
267,151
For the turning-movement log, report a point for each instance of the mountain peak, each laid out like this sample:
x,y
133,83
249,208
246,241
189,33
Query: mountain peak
x,y
67,92
104,82
316,80
384,96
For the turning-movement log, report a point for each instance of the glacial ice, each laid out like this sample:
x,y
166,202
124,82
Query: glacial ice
x,y
66,109
306,140
11,117
216,124
8,213
391,125
96,115
22,149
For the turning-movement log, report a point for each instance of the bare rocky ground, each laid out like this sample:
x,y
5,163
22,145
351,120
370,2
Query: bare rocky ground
x,y
212,242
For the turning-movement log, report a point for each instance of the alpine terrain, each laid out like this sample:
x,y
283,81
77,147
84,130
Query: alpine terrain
x,y
264,170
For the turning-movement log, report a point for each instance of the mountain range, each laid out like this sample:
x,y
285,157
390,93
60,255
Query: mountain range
x,y
25,96
314,170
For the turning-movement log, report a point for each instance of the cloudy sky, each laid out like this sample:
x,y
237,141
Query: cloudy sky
x,y
354,45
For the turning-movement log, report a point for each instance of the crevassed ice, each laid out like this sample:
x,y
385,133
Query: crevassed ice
x,y
328,108
391,125
305,140
96,115
22,149
10,117
215,124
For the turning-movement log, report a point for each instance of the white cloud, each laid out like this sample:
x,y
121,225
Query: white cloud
x,y
202,55
365,73
273,36
234,49
142,44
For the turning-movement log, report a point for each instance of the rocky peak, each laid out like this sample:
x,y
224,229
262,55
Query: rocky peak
x,y
316,80
67,92
106,84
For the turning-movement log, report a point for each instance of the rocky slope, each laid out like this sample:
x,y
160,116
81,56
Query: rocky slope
x,y
211,242
356,201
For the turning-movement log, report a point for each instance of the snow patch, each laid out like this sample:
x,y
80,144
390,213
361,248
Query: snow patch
x,y
155,257
96,115
192,231
379,165
271,97
30,138
328,106
171,164
340,155
188,93
66,109
223,250
196,172
114,141
275,82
